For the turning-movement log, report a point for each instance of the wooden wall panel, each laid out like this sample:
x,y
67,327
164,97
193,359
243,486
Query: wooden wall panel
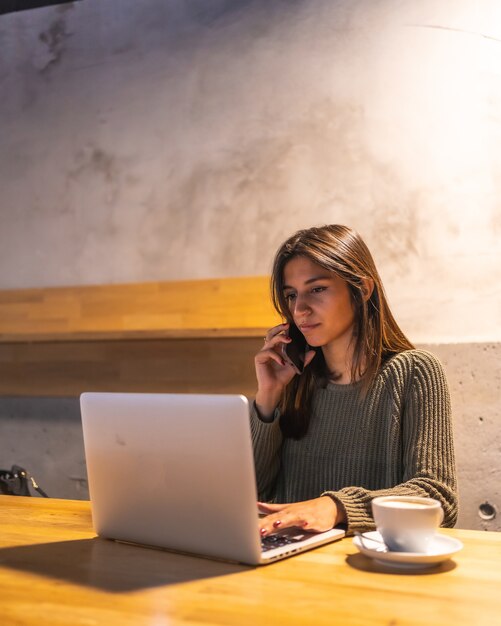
x,y
186,336
193,308
206,365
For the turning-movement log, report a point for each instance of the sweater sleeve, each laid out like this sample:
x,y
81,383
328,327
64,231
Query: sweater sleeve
x,y
427,449
267,441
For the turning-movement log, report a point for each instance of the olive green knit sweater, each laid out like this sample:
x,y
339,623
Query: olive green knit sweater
x,y
395,440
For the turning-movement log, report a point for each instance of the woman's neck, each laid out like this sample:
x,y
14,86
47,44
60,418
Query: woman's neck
x,y
339,360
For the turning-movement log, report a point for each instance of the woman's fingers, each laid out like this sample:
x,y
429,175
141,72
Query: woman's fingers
x,y
276,339
263,356
269,351
316,515
275,332
265,507
277,516
279,520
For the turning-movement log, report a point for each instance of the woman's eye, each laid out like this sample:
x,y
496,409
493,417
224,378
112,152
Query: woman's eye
x,y
318,289
290,296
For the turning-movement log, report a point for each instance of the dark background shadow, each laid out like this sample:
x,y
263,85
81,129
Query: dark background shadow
x,y
112,566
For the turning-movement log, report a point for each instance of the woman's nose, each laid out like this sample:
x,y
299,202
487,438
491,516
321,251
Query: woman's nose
x,y
300,305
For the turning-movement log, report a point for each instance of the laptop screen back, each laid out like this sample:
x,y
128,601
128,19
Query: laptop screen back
x,y
173,471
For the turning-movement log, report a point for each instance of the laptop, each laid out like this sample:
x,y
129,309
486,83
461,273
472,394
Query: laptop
x,y
176,471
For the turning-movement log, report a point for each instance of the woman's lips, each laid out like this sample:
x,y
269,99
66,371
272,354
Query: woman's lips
x,y
306,328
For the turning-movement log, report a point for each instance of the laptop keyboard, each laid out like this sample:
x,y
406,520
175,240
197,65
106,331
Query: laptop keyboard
x,y
278,541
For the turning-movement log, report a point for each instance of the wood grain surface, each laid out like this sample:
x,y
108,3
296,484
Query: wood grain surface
x,y
54,572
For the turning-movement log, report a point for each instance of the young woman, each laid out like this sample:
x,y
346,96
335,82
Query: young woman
x,y
369,415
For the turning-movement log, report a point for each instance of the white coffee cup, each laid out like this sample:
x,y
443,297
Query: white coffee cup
x,y
407,523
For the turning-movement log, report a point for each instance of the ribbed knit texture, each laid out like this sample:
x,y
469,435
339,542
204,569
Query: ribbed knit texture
x,y
397,440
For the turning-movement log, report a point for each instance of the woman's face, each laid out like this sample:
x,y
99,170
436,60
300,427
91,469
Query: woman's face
x,y
320,303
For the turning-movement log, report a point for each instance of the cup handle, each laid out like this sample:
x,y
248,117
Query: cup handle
x,y
441,513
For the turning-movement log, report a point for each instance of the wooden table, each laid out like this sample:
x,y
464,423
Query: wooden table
x,y
54,571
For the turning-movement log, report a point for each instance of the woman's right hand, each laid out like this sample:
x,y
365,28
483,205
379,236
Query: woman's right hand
x,y
273,372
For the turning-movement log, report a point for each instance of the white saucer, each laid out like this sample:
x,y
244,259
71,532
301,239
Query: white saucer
x,y
372,545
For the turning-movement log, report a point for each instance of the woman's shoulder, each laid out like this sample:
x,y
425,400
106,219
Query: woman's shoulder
x,y
409,363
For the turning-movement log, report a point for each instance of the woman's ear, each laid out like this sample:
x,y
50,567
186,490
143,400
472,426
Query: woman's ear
x,y
367,288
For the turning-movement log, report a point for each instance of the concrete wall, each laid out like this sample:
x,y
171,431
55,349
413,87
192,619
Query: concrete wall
x,y
169,139
161,139
474,375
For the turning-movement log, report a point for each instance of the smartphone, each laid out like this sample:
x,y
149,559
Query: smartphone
x,y
295,350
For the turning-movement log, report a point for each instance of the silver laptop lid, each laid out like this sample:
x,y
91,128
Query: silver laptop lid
x,y
174,471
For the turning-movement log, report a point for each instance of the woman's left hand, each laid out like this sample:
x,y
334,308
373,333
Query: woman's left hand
x,y
315,515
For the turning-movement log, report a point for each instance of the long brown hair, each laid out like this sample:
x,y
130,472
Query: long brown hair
x,y
376,334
